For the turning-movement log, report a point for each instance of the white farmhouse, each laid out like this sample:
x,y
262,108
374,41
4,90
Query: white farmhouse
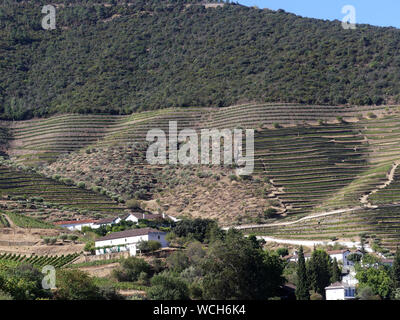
x,y
75,224
127,240
131,217
106,222
342,255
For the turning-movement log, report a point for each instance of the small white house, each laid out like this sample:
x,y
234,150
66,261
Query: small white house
x,y
127,240
75,224
340,291
106,222
131,217
342,255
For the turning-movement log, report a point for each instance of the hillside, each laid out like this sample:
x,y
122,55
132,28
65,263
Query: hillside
x,y
117,58
305,163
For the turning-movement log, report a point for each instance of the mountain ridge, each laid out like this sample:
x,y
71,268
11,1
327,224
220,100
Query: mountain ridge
x,y
153,55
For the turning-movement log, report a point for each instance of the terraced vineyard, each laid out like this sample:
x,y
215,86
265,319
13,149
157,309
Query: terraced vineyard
x,y
307,165
381,225
390,194
23,185
311,158
38,261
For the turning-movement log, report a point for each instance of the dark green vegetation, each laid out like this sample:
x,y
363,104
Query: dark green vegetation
x,y
27,222
377,280
155,54
222,266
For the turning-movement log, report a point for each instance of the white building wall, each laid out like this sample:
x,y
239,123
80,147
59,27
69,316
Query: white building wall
x,y
128,244
78,227
132,218
160,237
335,294
338,256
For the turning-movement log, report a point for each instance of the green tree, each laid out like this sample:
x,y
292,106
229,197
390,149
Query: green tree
x,y
395,272
235,269
76,285
336,272
130,269
23,282
177,261
166,286
377,279
282,252
302,288
319,271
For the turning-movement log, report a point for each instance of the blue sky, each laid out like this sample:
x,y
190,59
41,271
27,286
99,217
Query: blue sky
x,y
379,13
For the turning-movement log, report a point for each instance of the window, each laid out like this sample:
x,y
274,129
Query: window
x,y
158,237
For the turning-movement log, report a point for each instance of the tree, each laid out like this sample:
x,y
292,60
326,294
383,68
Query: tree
x,y
366,293
23,282
395,272
199,229
178,261
377,279
282,252
302,288
319,271
235,269
336,272
76,285
166,286
130,269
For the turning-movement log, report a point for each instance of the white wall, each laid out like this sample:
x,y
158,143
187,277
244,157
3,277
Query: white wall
x,y
335,294
129,244
132,218
73,227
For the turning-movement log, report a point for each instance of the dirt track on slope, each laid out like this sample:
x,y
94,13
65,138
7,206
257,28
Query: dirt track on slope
x,y
364,198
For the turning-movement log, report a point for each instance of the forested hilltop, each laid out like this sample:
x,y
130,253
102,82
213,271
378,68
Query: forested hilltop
x,y
118,58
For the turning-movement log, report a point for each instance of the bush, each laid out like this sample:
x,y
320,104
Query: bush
x,y
282,252
166,286
73,237
76,285
130,269
270,213
149,246
81,185
133,204
316,296
63,237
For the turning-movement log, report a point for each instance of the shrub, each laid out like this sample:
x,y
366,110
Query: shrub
x,y
130,269
371,115
133,204
81,185
316,296
73,237
166,286
282,252
149,246
270,213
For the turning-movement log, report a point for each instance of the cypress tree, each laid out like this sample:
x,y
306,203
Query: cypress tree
x,y
319,271
302,290
336,273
